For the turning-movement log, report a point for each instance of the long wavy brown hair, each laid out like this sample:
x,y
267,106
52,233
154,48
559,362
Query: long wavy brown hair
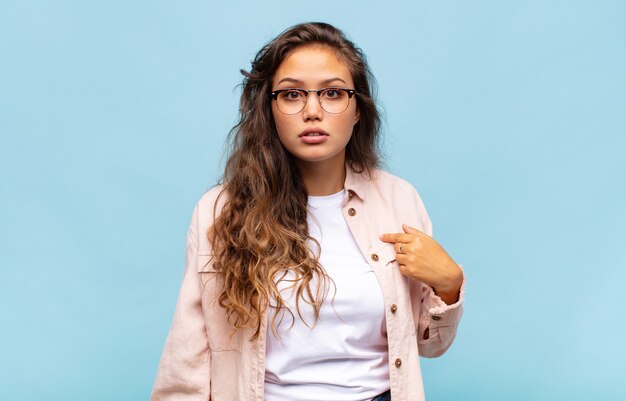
x,y
261,232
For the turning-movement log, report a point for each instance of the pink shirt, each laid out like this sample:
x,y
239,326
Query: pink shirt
x,y
202,361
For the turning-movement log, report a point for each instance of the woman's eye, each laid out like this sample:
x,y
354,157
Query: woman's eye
x,y
332,93
291,95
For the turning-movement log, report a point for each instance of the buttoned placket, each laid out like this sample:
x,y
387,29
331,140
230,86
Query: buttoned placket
x,y
353,213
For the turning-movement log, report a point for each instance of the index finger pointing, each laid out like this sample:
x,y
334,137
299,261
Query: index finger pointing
x,y
395,237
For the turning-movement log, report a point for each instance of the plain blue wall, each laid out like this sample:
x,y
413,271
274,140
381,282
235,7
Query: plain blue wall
x,y
508,116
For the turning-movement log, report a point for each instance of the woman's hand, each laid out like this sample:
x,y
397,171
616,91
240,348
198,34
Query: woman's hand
x,y
422,258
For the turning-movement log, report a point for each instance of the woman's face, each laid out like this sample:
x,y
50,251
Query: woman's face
x,y
314,135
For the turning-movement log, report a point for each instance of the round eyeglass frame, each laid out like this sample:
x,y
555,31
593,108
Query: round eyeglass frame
x,y
318,92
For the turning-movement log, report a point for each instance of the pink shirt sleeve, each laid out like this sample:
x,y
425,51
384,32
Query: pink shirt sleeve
x,y
183,373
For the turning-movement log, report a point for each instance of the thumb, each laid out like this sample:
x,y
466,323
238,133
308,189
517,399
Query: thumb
x,y
410,230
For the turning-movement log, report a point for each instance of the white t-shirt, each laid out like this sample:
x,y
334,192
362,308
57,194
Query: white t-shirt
x,y
344,357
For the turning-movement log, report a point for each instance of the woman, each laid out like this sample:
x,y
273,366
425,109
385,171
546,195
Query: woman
x,y
310,274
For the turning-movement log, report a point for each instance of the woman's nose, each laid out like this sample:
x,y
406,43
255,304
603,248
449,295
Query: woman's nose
x,y
312,109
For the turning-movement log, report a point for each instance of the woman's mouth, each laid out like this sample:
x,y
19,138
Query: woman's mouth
x,y
313,136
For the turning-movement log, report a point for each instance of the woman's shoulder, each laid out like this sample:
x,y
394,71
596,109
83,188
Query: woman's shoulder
x,y
205,212
386,178
384,182
209,205
402,196
211,197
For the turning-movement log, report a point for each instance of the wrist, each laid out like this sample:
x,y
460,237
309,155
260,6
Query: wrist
x,y
451,292
449,297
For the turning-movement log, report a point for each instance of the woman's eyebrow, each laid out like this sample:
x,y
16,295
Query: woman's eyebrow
x,y
299,82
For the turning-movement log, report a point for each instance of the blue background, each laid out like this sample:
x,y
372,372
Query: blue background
x,y
508,116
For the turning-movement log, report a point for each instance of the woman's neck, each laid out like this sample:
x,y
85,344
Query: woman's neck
x,y
323,178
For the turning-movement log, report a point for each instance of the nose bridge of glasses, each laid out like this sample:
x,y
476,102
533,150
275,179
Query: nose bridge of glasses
x,y
318,92
307,92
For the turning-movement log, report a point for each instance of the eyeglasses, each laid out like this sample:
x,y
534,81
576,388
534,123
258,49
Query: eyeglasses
x,y
332,100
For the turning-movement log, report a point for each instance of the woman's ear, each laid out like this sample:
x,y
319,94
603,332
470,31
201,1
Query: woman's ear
x,y
357,115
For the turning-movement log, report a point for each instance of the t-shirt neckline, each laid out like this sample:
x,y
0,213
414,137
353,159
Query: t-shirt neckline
x,y
327,200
